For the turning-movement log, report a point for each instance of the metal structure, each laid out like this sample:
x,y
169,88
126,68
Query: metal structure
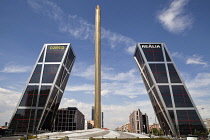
x,y
171,101
97,106
40,100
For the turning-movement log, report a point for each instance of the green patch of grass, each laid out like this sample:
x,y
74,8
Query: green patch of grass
x,y
65,138
29,137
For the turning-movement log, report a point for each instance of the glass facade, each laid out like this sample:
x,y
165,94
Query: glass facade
x,y
39,103
69,119
169,96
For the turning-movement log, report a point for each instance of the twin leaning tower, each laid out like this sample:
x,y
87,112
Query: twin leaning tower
x,y
171,101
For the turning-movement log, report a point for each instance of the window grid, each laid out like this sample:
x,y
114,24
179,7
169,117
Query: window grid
x,y
32,107
154,57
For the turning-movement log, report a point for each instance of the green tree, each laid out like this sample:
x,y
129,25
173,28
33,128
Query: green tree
x,y
161,132
198,133
201,133
154,131
204,134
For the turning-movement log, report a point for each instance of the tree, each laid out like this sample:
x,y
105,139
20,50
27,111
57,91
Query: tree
x,y
161,132
201,133
198,133
154,131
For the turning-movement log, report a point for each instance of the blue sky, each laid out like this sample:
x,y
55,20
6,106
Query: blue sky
x,y
182,24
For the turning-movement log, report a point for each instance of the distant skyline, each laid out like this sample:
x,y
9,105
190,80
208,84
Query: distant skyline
x,y
27,25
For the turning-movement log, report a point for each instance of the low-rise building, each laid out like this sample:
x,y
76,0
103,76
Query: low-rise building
x,y
124,128
88,125
154,125
91,122
3,127
68,119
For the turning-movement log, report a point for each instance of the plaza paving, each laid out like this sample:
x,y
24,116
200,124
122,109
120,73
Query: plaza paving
x,y
86,134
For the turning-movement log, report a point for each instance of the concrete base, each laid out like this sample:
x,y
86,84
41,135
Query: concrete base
x,y
86,134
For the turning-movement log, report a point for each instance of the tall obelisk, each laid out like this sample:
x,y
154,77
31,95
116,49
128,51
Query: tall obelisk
x,y
97,107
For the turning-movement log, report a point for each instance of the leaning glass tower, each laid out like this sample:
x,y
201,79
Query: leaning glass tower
x,y
171,101
40,100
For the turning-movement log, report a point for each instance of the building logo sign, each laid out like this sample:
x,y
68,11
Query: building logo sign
x,y
145,46
57,47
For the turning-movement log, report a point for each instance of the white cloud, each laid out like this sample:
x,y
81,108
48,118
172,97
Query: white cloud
x,y
174,18
178,55
114,115
199,86
8,102
84,71
117,115
12,68
83,107
132,75
203,107
107,73
195,59
123,83
47,8
84,87
77,26
128,89
105,92
131,49
132,96
116,39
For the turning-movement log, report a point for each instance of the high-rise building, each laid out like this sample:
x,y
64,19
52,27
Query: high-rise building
x,y
68,119
139,122
40,100
92,113
171,101
102,117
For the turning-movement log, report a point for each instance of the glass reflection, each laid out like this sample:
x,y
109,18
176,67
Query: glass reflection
x,y
189,122
30,96
159,72
36,75
69,59
165,92
55,53
153,54
139,57
173,74
44,92
181,97
25,117
49,73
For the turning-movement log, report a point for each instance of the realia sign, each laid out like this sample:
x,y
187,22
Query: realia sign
x,y
145,46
